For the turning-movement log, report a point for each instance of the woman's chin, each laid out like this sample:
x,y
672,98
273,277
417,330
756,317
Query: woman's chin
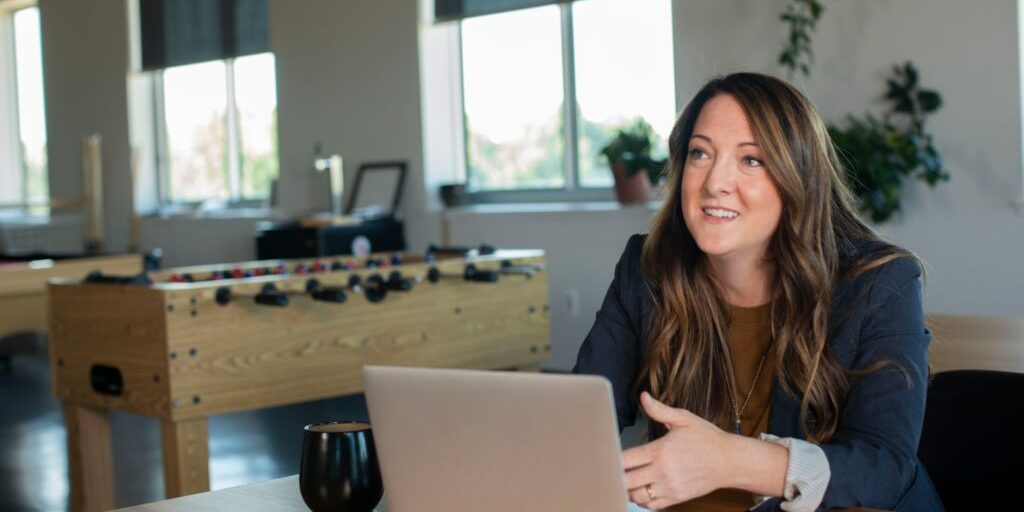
x,y
715,248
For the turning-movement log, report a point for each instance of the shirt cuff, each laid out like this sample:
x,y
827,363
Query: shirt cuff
x,y
807,475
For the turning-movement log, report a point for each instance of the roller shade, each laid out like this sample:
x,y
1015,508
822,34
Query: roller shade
x,y
176,32
446,10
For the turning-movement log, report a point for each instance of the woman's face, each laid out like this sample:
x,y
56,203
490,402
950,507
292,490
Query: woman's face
x,y
730,203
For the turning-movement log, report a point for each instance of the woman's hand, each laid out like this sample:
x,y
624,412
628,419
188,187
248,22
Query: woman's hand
x,y
686,463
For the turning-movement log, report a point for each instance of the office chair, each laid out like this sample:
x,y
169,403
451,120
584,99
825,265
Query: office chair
x,y
972,444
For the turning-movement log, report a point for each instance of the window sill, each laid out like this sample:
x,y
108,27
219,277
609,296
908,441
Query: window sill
x,y
558,207
12,219
225,213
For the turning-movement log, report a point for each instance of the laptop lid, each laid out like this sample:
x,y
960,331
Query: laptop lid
x,y
497,441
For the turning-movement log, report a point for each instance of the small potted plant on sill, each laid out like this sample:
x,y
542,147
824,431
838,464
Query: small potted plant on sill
x,y
629,157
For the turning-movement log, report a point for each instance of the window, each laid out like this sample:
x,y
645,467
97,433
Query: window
x,y
23,171
513,94
218,131
545,88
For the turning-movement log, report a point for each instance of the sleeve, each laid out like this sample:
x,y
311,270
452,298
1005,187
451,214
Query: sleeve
x,y
872,455
807,475
612,347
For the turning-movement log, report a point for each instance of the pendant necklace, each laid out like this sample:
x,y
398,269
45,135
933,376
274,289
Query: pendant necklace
x,y
732,398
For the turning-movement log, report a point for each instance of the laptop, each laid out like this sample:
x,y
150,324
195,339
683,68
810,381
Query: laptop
x,y
467,440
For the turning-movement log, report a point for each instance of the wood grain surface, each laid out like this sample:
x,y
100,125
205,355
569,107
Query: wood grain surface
x,y
23,286
974,342
183,355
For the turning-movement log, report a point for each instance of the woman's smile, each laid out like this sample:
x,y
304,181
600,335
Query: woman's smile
x,y
719,215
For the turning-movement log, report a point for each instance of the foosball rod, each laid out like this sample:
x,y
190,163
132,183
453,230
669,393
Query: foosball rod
x,y
374,289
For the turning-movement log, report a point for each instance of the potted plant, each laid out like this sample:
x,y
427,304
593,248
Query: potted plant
x,y
629,157
880,153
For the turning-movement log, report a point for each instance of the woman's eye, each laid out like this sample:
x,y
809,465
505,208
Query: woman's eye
x,y
697,153
751,161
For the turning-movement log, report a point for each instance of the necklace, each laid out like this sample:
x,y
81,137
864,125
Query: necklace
x,y
732,395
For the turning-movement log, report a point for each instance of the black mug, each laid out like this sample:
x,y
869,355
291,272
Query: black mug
x,y
339,468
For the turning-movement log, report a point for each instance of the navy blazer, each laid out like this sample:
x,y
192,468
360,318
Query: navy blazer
x,y
875,316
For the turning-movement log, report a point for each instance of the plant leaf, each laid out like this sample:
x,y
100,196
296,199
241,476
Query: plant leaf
x,y
929,100
816,9
911,73
904,105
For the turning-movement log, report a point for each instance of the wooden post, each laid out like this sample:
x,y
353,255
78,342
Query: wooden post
x,y
186,456
446,228
90,459
92,169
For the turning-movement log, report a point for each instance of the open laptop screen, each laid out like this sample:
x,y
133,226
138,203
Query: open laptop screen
x,y
497,441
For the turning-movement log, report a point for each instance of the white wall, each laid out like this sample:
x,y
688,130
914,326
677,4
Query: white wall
x,y
199,241
582,247
85,71
967,231
348,77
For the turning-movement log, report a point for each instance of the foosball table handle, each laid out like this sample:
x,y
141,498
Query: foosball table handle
x,y
141,279
398,283
375,293
269,296
483,250
336,295
471,273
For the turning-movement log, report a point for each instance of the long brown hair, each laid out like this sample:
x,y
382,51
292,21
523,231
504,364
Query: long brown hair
x,y
687,352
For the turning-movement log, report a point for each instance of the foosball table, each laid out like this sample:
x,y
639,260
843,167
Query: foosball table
x,y
183,344
23,289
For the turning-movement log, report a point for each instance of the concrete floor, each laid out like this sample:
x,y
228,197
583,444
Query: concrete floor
x,y
244,447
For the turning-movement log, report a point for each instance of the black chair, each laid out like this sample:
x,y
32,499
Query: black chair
x,y
972,444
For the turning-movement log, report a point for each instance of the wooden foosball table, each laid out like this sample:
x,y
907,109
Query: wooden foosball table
x,y
23,290
184,344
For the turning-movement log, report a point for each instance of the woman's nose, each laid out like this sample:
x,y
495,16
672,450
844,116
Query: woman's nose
x,y
721,179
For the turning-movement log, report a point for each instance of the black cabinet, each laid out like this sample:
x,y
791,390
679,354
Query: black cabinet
x,y
291,240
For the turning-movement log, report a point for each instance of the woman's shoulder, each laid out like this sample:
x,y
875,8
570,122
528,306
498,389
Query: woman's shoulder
x,y
636,241
876,268
634,249
630,260
628,269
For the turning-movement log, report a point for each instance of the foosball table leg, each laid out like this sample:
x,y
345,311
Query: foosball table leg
x,y
90,459
186,450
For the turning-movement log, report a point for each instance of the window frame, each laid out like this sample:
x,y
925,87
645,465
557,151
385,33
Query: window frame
x,y
232,140
22,206
572,190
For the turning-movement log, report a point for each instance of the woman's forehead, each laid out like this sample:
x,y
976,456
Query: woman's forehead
x,y
724,120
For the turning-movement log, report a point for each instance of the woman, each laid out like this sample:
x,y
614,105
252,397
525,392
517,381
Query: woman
x,y
775,343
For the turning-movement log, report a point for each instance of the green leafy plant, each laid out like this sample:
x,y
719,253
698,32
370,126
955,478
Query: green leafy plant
x,y
802,17
880,153
631,147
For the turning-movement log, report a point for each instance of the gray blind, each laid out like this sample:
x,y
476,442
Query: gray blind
x,y
445,10
176,32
